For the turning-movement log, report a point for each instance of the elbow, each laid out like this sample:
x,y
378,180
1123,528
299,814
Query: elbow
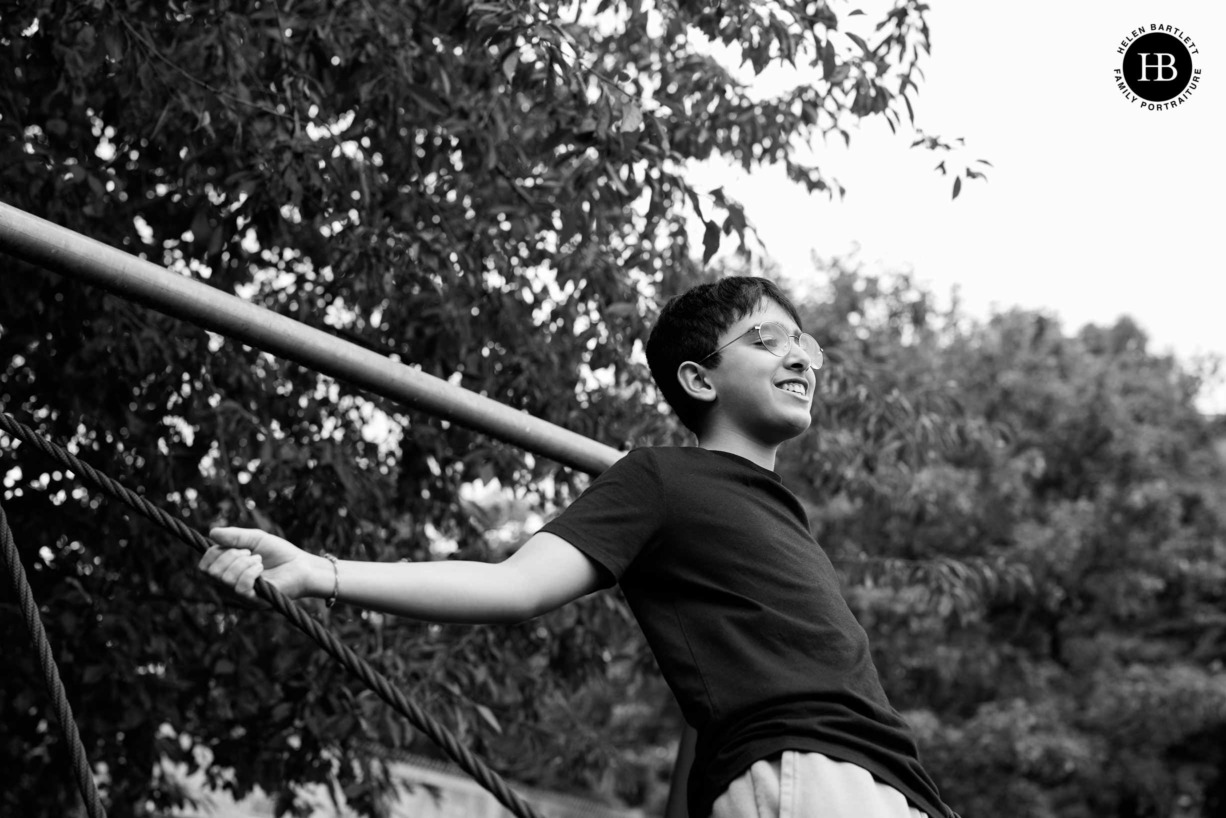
x,y
524,610
501,613
508,609
521,600
502,617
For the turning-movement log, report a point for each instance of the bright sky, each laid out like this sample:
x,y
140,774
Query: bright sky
x,y
1093,209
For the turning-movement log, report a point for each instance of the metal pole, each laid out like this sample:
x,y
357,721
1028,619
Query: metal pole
x,y
63,251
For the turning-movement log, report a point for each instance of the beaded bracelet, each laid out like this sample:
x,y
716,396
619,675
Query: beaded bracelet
x,y
336,580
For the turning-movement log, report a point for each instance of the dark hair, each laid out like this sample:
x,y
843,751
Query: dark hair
x,y
689,328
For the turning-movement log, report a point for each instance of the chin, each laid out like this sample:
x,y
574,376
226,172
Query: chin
x,y
794,428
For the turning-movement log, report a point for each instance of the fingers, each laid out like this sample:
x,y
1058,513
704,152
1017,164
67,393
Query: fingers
x,y
236,568
245,584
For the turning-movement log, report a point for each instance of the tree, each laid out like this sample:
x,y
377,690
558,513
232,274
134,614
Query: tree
x,y
495,192
1033,527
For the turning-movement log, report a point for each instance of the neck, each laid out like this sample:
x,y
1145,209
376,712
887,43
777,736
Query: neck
x,y
733,442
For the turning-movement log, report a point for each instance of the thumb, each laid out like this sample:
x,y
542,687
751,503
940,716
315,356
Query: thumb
x,y
231,537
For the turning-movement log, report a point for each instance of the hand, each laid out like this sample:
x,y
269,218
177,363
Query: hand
x,y
242,554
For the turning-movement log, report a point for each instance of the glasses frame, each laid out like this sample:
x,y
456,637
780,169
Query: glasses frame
x,y
815,361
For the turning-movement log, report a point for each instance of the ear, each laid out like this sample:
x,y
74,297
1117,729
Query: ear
x,y
694,381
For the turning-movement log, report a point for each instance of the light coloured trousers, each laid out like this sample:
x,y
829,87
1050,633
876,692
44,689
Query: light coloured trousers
x,y
810,785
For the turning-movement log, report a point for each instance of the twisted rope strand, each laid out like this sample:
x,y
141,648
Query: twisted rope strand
x,y
51,674
373,679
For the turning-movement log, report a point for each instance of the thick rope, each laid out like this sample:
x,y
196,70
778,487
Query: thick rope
x,y
51,674
373,679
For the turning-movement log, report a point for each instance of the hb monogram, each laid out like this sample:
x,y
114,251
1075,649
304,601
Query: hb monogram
x,y
1162,64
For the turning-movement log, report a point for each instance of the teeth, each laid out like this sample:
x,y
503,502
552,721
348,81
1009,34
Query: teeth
x,y
792,386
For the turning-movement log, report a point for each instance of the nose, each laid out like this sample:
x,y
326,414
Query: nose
x,y
796,358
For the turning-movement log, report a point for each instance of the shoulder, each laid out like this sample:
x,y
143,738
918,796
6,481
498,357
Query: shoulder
x,y
659,461
645,457
633,465
655,469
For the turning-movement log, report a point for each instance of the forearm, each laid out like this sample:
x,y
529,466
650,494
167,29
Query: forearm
x,y
446,591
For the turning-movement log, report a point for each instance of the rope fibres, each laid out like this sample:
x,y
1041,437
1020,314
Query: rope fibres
x,y
373,679
51,674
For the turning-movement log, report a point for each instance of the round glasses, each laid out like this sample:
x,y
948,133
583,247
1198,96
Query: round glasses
x,y
774,336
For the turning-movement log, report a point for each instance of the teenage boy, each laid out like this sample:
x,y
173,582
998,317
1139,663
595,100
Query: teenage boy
x,y
739,604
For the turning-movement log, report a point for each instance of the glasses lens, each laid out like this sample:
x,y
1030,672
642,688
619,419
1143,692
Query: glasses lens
x,y
774,337
810,347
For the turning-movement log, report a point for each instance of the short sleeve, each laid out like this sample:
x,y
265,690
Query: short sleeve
x,y
619,514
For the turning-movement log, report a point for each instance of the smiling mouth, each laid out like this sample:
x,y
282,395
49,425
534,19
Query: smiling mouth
x,y
796,388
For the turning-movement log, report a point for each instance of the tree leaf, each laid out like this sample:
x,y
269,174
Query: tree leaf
x,y
488,716
510,63
858,40
632,117
710,241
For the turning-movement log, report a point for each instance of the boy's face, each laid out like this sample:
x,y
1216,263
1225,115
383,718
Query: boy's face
x,y
759,394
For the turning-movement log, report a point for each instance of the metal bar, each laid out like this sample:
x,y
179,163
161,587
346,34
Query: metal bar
x,y
63,251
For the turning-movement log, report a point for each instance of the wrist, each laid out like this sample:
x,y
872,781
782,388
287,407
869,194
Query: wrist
x,y
322,577
336,580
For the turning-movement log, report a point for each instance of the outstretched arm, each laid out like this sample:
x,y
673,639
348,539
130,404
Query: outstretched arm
x,y
545,573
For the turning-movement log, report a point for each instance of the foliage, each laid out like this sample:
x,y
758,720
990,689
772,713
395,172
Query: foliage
x,y
494,192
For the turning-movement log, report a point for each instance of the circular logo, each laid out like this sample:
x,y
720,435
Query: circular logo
x,y
1157,66
1157,72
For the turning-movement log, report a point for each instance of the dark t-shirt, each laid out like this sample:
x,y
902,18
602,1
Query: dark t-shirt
x,y
744,614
